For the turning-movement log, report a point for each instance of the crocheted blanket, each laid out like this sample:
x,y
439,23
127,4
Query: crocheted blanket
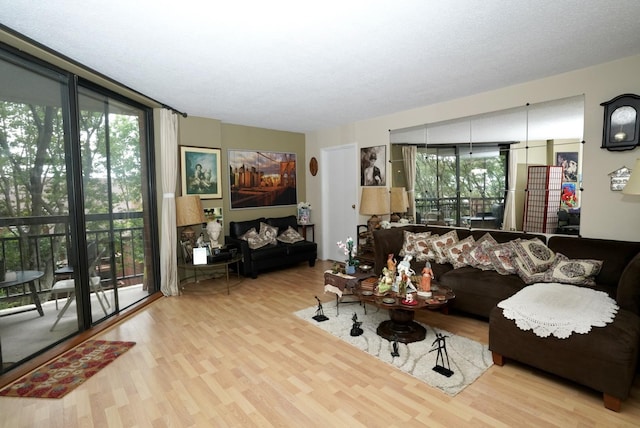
x,y
559,309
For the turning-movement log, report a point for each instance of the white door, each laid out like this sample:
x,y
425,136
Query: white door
x,y
340,199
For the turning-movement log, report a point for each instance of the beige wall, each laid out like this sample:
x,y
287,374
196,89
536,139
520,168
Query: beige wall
x,y
605,214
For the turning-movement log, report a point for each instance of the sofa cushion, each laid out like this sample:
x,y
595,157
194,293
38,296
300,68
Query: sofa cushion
x,y
283,223
455,252
300,247
573,271
478,256
533,254
290,236
415,243
440,243
269,252
523,271
254,239
239,228
268,233
501,256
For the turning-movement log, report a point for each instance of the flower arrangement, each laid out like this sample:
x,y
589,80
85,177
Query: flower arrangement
x,y
350,251
304,205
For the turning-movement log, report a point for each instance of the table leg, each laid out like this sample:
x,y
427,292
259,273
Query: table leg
x,y
36,299
401,326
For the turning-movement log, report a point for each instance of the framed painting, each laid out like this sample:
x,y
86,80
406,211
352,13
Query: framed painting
x,y
200,172
373,161
569,163
259,179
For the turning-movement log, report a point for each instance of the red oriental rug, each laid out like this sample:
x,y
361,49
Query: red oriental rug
x,y
63,374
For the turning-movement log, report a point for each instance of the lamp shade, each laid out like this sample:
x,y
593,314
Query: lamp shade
x,y
399,200
633,185
189,210
374,200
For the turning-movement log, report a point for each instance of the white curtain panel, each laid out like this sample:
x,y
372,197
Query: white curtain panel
x,y
168,237
409,159
509,219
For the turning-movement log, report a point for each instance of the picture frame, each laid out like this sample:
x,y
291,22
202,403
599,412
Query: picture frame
x,y
200,172
569,163
373,166
262,178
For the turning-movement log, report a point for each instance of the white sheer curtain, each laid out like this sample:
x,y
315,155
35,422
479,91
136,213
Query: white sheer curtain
x,y
509,219
168,237
409,160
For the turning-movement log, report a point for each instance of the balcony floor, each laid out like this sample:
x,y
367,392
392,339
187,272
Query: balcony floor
x,y
23,334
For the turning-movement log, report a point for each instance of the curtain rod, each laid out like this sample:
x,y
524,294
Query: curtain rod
x,y
75,63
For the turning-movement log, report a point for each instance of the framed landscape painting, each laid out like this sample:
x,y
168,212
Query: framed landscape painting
x,y
200,172
259,179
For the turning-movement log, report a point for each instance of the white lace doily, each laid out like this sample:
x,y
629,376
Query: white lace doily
x,y
559,309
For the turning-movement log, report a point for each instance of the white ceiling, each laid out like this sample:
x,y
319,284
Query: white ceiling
x,y
301,66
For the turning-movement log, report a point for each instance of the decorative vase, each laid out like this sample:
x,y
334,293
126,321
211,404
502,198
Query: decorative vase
x,y
304,216
350,269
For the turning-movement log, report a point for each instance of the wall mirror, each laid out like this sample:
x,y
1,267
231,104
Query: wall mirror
x,y
495,170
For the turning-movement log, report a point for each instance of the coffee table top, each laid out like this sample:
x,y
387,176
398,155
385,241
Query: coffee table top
x,y
441,295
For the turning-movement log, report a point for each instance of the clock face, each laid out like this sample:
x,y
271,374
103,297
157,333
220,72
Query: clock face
x,y
623,121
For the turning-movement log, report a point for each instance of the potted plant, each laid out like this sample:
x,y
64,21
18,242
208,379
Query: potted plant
x,y
350,251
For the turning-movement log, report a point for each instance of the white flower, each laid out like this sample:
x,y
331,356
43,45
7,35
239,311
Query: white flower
x,y
304,205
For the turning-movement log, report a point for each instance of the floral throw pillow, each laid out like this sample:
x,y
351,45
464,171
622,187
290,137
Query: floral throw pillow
x,y
425,249
501,256
478,256
254,239
534,254
410,244
526,274
455,252
439,244
290,236
573,271
269,233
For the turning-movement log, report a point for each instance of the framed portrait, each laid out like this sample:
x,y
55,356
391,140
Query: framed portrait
x,y
373,161
200,172
259,179
569,163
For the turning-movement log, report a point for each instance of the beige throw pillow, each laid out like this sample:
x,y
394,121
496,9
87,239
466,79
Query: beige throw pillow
x,y
439,244
455,252
290,236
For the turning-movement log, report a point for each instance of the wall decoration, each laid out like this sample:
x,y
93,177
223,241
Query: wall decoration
x,y
569,163
200,172
621,130
259,179
619,178
569,197
373,161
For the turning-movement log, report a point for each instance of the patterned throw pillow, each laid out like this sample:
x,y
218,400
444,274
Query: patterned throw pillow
x,y
269,233
254,239
478,256
455,252
412,241
501,258
290,236
439,244
573,271
534,254
525,274
424,249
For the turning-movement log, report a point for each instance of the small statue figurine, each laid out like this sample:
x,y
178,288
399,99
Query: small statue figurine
x,y
355,329
385,282
319,316
405,265
200,241
427,276
213,230
391,263
394,345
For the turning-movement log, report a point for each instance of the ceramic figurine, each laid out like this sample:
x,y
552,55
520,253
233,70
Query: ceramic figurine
x,y
391,263
213,230
427,276
405,265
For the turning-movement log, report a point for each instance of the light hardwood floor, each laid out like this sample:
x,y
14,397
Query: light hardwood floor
x,y
208,359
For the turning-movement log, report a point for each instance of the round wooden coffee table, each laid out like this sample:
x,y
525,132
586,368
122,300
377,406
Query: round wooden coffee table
x,y
401,325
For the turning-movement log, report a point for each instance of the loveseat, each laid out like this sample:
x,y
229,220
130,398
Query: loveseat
x,y
604,359
278,252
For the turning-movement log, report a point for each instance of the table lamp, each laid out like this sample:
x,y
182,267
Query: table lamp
x,y
189,212
374,201
633,185
399,203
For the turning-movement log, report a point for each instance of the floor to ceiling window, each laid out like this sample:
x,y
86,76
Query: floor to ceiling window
x,y
77,217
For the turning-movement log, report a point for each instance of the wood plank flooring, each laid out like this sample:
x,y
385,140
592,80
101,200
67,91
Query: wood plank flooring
x,y
208,359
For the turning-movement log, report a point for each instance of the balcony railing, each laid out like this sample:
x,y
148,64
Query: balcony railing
x,y
484,212
32,243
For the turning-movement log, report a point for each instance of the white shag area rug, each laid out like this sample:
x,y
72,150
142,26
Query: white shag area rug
x,y
468,359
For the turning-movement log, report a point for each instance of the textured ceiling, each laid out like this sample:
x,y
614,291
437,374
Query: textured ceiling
x,y
303,66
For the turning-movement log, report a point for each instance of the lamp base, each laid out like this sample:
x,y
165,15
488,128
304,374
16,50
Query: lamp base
x,y
188,234
395,217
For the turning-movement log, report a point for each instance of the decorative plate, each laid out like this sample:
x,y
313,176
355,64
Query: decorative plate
x,y
367,293
389,300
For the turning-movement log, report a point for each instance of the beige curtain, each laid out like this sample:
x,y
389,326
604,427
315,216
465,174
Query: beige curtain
x,y
409,160
509,219
168,234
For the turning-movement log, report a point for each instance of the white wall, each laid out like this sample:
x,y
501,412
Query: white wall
x,y
605,214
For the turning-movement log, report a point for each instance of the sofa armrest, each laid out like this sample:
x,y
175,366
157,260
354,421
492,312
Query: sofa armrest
x,y
628,295
243,248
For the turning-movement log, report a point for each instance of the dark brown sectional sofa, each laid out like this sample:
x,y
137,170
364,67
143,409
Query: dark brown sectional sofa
x,y
605,359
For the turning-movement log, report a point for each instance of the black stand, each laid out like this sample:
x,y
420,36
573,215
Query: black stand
x,y
319,316
441,346
355,329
